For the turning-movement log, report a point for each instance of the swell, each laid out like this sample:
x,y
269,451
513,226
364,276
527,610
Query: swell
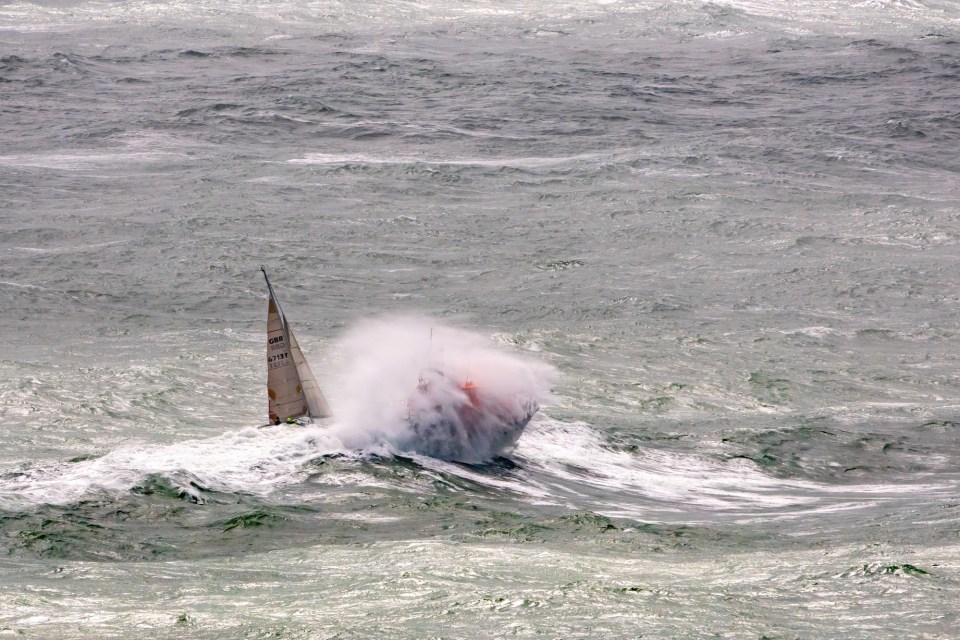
x,y
268,488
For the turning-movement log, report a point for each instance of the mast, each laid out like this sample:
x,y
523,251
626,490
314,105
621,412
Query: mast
x,y
273,296
291,387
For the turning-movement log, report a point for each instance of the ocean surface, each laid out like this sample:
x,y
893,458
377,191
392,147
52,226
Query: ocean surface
x,y
731,228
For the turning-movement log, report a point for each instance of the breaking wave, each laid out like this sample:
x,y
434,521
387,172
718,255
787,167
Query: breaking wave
x,y
431,389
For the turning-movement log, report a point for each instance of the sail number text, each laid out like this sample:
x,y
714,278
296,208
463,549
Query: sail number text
x,y
278,360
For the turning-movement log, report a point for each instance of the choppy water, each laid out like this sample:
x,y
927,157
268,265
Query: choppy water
x,y
732,227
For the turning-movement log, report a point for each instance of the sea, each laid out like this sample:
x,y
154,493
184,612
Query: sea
x,y
726,236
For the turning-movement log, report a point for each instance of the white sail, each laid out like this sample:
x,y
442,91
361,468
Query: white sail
x,y
291,388
317,404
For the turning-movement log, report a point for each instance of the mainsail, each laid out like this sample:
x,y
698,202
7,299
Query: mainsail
x,y
292,390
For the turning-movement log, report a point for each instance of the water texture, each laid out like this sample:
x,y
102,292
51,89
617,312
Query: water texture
x,y
731,228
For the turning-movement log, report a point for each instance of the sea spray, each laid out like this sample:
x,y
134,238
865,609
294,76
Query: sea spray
x,y
426,388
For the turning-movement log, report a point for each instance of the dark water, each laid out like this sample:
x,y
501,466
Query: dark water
x,y
732,228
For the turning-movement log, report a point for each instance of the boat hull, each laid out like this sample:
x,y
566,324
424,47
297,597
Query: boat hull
x,y
473,438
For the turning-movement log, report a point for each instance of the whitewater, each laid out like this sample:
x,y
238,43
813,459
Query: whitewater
x,y
716,242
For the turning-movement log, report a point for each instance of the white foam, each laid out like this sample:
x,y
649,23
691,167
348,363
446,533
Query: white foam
x,y
404,365
296,18
646,481
369,159
254,461
83,161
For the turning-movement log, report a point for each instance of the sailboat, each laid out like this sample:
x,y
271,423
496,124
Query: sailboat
x,y
293,393
446,419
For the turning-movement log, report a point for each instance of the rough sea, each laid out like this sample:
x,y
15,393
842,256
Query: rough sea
x,y
732,228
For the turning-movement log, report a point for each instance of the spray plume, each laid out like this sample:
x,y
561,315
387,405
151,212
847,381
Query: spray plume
x,y
426,388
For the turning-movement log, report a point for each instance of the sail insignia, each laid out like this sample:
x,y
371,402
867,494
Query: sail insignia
x,y
292,390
